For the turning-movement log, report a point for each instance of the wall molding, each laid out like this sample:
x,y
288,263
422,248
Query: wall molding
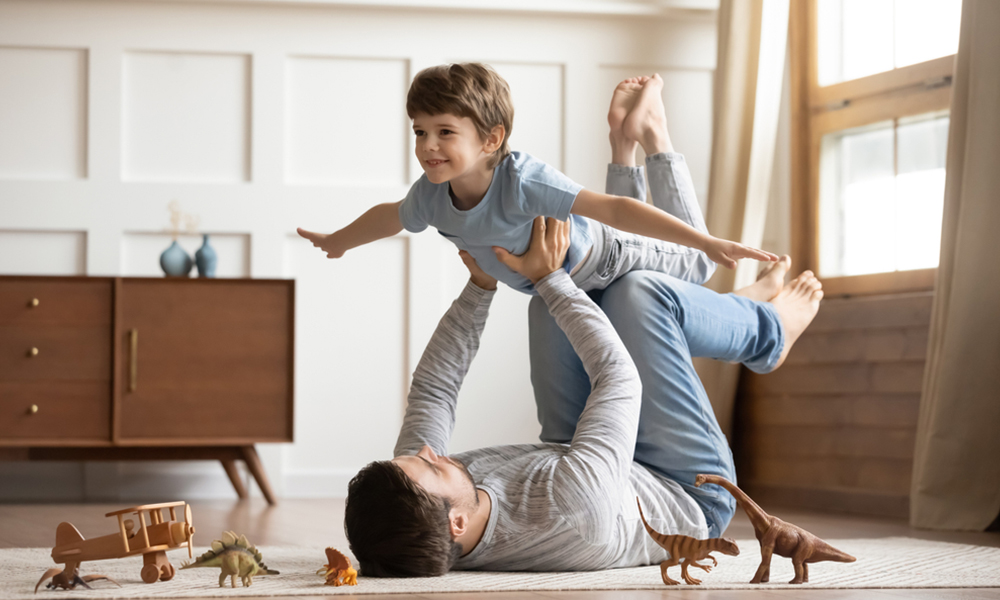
x,y
317,483
625,8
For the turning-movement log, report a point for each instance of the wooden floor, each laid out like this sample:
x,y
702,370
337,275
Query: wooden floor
x,y
320,523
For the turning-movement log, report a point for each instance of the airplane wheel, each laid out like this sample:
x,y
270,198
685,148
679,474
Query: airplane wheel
x,y
150,573
167,572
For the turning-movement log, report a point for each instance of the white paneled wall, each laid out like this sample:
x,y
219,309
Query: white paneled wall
x,y
43,113
326,127
185,117
258,117
28,252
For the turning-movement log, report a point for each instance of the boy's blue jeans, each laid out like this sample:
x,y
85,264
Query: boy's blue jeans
x,y
663,322
615,252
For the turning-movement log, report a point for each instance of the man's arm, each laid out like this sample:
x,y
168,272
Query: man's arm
x,y
433,398
379,221
628,215
589,478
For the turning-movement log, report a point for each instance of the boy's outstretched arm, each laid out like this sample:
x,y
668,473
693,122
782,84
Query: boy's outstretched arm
x,y
379,221
639,218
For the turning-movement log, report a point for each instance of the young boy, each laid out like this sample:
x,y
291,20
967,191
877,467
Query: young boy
x,y
483,197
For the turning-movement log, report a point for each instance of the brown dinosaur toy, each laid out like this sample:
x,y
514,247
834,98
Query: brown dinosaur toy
x,y
685,550
68,579
777,536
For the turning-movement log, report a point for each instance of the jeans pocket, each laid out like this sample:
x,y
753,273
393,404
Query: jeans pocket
x,y
610,265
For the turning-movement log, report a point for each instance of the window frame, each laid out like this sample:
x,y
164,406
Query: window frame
x,y
816,111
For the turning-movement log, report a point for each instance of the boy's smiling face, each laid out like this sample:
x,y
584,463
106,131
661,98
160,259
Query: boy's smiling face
x,y
449,148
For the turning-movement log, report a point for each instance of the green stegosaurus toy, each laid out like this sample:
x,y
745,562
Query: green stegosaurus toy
x,y
236,556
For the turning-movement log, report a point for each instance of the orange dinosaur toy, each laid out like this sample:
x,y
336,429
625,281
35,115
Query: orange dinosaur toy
x,y
777,536
686,551
338,570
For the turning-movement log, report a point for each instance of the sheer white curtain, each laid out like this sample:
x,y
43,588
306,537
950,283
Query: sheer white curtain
x,y
753,38
956,471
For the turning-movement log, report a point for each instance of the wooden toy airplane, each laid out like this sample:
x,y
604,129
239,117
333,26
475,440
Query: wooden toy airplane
x,y
152,541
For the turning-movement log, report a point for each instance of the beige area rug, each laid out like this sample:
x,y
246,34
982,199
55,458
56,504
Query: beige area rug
x,y
882,563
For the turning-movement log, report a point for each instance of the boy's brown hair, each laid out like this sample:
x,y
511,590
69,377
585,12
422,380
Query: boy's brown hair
x,y
472,90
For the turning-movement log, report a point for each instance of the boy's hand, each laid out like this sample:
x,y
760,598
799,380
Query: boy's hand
x,y
726,253
478,276
545,254
326,242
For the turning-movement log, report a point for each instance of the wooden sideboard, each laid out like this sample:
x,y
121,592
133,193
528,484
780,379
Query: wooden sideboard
x,y
112,368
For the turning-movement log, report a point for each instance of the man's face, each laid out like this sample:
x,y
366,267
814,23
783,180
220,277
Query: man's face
x,y
448,147
441,476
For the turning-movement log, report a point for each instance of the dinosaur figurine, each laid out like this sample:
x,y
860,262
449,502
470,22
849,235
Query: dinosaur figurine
x,y
777,536
236,556
63,579
338,570
686,551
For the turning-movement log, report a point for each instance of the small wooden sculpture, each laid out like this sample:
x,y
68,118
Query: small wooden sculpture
x,y
338,570
236,556
687,551
151,541
779,537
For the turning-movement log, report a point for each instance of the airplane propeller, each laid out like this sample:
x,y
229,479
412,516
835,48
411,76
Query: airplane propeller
x,y
189,528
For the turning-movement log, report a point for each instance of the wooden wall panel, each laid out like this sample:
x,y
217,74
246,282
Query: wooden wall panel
x,y
834,427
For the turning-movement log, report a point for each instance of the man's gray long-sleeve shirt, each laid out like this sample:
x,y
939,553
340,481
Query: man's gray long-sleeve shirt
x,y
555,507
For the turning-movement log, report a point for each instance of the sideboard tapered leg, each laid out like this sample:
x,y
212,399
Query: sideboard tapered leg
x,y
234,477
257,470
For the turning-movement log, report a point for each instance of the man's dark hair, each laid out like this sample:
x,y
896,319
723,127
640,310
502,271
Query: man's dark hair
x,y
395,527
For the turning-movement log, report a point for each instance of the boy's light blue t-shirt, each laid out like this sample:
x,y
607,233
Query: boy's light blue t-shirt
x,y
523,188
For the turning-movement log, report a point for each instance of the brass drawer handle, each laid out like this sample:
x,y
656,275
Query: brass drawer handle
x,y
133,363
33,352
33,409
34,302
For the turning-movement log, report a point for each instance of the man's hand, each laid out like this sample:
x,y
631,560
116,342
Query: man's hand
x,y
478,276
546,252
328,243
726,253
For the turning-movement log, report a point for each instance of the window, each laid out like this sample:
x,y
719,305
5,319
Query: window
x,y
871,90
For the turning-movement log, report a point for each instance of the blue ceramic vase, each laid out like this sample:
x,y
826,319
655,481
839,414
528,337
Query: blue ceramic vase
x,y
175,262
206,258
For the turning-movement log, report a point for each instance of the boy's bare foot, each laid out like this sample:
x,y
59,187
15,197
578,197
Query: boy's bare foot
x,y
646,123
796,305
769,282
622,101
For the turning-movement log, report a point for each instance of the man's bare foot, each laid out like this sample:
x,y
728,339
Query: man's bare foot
x,y
769,282
622,101
796,305
646,123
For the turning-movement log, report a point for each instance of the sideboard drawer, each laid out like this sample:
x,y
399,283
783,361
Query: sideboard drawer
x,y
33,353
55,301
55,411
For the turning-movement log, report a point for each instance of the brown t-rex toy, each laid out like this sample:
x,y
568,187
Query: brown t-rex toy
x,y
687,551
775,535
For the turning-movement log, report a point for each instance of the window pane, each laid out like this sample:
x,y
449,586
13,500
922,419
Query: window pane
x,y
856,201
856,38
881,196
921,146
926,29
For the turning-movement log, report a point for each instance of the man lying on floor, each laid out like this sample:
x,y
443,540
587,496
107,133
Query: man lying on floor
x,y
616,428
